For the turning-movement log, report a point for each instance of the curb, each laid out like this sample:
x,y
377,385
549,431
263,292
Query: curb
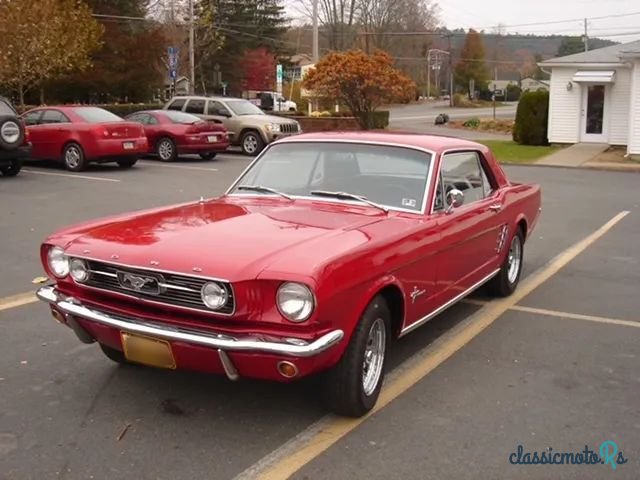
x,y
605,167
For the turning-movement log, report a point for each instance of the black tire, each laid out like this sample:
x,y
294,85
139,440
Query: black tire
x,y
343,389
9,125
208,155
73,157
127,162
504,283
13,169
115,355
166,150
251,143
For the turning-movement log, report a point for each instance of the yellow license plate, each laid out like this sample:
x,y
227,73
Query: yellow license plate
x,y
147,350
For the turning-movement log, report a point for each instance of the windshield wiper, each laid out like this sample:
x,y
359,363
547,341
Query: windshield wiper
x,y
260,188
349,196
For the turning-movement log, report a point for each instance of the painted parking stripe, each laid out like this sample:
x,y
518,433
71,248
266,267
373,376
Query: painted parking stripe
x,y
71,175
291,457
181,167
576,316
17,300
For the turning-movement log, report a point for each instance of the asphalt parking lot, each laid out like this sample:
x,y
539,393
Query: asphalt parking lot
x,y
556,369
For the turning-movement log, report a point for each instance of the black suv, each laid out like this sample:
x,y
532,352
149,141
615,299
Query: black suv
x,y
14,146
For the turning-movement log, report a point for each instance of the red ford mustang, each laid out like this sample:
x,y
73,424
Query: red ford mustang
x,y
172,133
78,135
324,250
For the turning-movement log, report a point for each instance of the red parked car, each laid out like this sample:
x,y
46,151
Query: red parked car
x,y
172,133
79,135
326,248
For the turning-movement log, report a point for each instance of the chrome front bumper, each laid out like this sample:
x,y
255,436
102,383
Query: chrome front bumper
x,y
293,347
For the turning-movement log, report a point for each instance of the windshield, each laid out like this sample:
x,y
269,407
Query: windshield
x,y
6,108
180,117
387,175
243,107
96,115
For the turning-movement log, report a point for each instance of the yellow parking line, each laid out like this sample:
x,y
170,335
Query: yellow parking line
x,y
334,428
576,316
17,300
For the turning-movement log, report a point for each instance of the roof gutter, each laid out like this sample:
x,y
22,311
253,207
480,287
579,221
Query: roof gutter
x,y
583,64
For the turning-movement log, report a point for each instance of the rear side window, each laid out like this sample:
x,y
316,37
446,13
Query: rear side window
x,y
53,116
6,109
195,106
177,104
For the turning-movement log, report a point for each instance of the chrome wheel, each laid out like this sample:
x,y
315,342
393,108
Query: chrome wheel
x,y
72,157
165,150
514,259
373,356
250,144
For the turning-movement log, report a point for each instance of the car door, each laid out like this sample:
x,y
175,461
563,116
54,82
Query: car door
x,y
55,129
152,128
471,233
219,112
32,122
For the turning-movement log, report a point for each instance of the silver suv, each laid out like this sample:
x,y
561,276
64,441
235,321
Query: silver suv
x,y
248,126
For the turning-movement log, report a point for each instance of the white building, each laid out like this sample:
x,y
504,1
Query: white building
x,y
595,97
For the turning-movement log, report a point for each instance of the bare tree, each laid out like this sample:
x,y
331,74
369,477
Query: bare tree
x,y
337,19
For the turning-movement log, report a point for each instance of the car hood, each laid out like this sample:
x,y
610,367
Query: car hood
x,y
230,238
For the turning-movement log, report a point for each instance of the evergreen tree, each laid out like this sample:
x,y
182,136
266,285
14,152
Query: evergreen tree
x,y
228,30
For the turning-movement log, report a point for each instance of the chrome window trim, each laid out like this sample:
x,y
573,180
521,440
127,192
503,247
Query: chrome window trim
x,y
157,270
428,183
454,150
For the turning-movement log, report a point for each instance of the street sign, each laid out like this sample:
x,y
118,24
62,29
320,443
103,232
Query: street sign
x,y
172,54
279,78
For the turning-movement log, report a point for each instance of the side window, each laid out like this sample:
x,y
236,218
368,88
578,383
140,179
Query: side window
x,y
177,104
463,171
151,120
216,108
136,117
53,116
195,106
32,118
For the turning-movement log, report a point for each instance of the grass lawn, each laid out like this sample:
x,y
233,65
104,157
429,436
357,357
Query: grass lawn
x,y
509,151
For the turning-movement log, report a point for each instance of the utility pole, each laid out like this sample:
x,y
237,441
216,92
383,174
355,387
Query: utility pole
x,y
586,37
450,71
192,67
316,49
428,74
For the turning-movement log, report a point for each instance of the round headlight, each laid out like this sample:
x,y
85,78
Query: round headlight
x,y
295,301
58,262
79,270
214,296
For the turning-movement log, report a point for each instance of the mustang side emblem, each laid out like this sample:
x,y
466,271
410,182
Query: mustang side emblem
x,y
139,283
502,237
415,294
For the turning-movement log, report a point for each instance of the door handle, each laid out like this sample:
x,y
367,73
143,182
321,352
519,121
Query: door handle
x,y
496,207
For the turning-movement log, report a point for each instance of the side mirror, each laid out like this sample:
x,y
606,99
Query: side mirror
x,y
455,198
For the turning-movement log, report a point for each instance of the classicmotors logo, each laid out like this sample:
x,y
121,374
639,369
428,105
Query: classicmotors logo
x,y
608,454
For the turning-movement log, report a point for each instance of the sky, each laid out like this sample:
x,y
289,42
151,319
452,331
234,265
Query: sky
x,y
565,17
515,13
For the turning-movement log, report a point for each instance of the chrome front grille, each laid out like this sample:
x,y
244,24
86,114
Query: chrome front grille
x,y
160,287
289,128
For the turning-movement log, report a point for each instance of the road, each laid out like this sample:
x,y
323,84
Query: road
x,y
420,117
557,368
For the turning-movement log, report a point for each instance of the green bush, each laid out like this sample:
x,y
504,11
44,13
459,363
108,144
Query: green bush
x,y
530,127
472,123
513,93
